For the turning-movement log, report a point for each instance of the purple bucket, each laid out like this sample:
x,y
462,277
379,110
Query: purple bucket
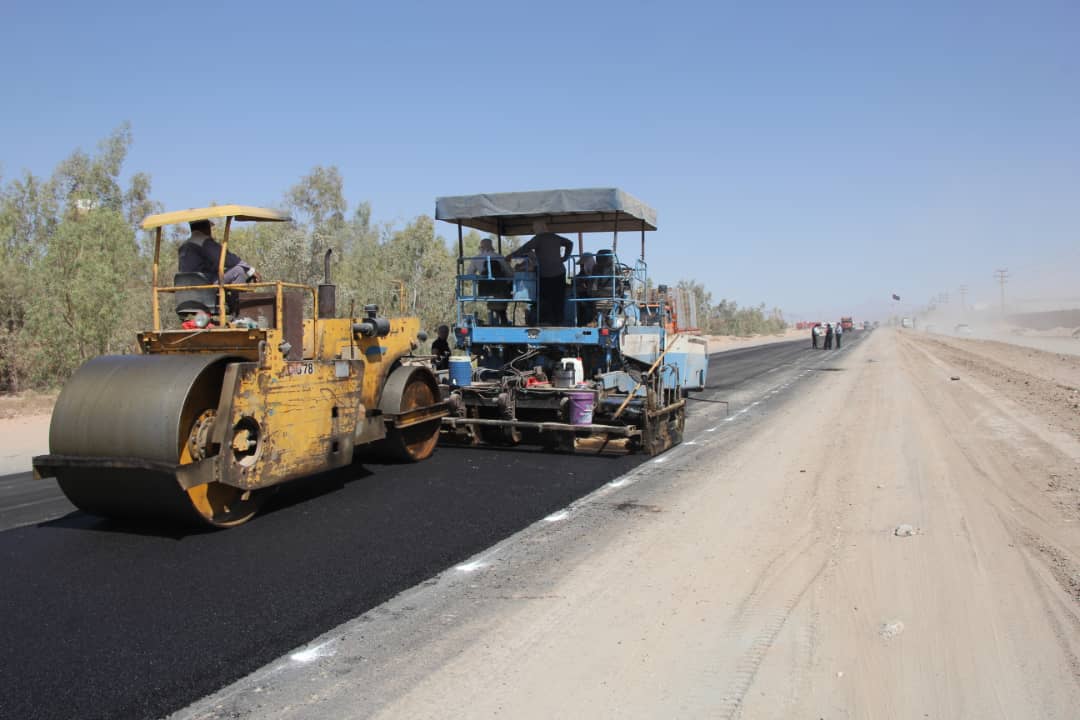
x,y
581,407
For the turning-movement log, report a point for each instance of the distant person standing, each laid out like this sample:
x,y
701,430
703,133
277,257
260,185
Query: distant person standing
x,y
828,336
839,334
813,336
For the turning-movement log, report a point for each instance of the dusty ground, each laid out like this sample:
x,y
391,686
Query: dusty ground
x,y
1056,340
24,429
20,439
776,581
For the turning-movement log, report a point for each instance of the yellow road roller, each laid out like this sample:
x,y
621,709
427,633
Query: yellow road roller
x,y
260,383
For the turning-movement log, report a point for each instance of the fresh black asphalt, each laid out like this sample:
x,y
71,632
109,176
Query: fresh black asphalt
x,y
112,621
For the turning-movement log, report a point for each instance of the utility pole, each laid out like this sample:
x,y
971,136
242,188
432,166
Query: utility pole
x,y
963,297
1002,275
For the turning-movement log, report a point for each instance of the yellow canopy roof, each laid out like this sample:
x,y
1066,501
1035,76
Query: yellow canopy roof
x,y
238,212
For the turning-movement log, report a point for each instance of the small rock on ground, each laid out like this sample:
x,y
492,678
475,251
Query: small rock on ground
x,y
904,530
891,629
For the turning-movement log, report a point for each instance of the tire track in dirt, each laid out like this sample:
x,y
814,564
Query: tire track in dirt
x,y
799,575
782,585
778,590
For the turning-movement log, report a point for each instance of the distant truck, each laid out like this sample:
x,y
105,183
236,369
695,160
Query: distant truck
x,y
906,322
847,323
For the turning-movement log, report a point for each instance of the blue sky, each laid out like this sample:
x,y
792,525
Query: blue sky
x,y
815,156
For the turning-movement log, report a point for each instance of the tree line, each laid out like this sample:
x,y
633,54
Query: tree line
x,y
75,268
727,318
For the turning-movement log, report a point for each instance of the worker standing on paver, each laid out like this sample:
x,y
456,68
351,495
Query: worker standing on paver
x,y
551,252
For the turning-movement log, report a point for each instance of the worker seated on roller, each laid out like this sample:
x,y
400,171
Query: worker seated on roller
x,y
201,253
498,282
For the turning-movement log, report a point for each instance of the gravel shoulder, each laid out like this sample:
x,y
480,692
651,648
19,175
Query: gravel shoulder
x,y
767,580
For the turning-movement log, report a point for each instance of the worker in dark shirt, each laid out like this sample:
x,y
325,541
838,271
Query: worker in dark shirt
x,y
551,252
440,348
201,253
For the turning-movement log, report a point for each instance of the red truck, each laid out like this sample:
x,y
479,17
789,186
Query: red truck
x,y
847,323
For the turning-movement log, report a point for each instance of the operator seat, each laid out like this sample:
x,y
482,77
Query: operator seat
x,y
189,302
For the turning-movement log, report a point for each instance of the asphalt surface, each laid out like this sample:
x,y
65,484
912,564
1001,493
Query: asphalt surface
x,y
106,620
23,501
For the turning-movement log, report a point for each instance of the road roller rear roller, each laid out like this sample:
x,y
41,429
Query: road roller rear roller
x,y
246,394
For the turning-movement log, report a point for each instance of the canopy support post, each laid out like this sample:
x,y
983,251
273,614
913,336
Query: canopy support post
x,y
460,243
222,310
615,236
154,281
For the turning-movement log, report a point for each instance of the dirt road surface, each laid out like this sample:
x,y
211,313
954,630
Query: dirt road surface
x,y
894,544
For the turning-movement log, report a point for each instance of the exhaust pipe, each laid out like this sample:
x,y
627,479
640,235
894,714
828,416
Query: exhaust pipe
x,y
327,291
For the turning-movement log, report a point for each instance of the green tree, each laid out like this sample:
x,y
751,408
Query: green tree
x,y
32,213
28,216
83,290
294,251
420,260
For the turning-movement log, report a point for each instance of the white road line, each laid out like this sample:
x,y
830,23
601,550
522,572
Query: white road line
x,y
557,517
310,654
35,502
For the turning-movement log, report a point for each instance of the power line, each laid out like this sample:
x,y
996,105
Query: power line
x,y
1002,275
963,297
